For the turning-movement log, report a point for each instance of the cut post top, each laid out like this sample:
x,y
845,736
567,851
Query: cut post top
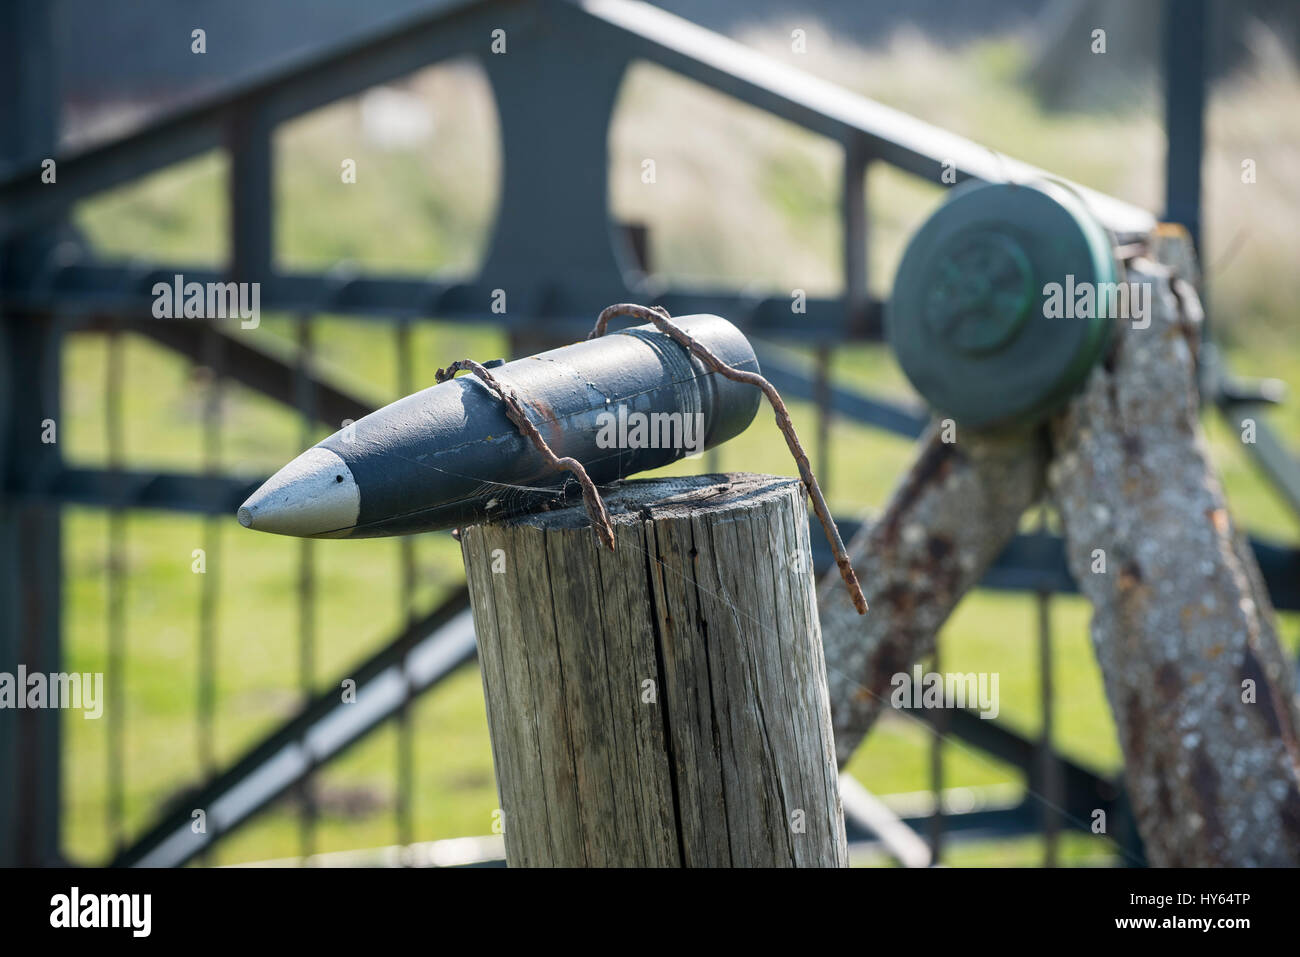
x,y
670,496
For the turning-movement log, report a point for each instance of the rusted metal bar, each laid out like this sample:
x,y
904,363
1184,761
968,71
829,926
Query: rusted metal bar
x,y
1203,697
952,514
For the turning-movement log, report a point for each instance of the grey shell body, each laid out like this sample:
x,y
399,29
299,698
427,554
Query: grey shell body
x,y
448,455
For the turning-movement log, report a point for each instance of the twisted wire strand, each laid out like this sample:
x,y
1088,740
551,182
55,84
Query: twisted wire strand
x,y
600,523
663,322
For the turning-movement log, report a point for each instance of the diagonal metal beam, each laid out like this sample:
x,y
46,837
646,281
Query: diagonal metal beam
x,y
823,107
272,375
421,656
1083,789
638,28
1277,462
863,811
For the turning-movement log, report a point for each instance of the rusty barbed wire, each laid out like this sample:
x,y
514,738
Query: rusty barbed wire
x,y
601,526
663,322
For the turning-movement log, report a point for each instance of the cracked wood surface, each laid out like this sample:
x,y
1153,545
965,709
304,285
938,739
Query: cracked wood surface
x,y
955,510
664,704
1182,625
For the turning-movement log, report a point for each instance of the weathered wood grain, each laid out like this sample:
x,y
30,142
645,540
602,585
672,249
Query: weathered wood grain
x,y
664,704
1182,625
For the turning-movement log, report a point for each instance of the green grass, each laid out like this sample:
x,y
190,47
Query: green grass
x,y
740,198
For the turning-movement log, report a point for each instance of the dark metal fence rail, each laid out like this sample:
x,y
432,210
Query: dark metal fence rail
x,y
557,253
429,649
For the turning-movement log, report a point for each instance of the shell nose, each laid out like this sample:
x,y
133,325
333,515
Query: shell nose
x,y
314,495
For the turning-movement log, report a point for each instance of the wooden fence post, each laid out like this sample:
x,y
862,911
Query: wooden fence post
x,y
664,704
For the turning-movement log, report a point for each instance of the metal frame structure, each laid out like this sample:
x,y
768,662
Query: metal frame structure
x,y
555,250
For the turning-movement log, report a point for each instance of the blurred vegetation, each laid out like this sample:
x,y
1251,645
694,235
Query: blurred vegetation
x,y
740,198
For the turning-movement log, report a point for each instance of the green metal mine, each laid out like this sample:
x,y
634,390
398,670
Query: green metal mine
x,y
971,318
